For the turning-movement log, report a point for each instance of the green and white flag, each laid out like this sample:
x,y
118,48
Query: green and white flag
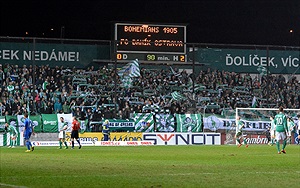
x,y
165,122
131,69
254,102
144,122
44,86
10,88
128,72
262,70
2,123
153,108
189,122
177,96
127,82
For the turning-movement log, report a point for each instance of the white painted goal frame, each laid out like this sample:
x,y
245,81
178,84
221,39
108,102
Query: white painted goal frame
x,y
264,109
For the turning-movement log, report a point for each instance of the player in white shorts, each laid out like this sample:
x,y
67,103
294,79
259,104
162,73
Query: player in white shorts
x,y
63,126
272,131
291,126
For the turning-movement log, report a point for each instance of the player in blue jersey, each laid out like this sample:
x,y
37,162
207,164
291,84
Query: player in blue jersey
x,y
27,133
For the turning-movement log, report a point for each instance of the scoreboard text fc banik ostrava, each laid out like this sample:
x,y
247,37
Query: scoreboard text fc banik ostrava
x,y
150,42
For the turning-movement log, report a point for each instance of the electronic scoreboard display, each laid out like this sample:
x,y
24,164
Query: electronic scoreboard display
x,y
150,42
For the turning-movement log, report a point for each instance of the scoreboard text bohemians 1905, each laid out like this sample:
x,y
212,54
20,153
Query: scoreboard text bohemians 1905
x,y
153,38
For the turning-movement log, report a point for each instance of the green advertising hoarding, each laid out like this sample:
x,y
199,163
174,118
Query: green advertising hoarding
x,y
52,54
248,60
239,60
37,121
50,123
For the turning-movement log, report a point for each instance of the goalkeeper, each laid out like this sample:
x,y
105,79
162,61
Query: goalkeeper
x,y
13,133
239,133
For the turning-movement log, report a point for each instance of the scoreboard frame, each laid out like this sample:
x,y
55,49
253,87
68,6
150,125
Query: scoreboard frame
x,y
150,38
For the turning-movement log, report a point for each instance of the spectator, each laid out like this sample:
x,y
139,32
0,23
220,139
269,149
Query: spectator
x,y
57,106
56,83
66,108
49,108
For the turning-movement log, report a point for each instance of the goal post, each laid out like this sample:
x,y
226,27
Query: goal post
x,y
257,121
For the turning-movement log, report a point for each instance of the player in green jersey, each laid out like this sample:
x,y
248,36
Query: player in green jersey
x,y
280,121
13,133
239,132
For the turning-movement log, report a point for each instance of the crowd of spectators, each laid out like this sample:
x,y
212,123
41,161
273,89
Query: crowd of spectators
x,y
97,93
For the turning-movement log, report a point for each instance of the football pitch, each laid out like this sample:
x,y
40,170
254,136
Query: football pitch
x,y
151,166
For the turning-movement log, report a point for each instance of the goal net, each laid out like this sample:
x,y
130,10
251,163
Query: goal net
x,y
257,121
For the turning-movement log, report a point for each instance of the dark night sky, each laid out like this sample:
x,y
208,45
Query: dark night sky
x,y
263,22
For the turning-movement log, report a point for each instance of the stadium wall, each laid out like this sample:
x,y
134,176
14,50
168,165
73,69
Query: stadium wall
x,y
84,53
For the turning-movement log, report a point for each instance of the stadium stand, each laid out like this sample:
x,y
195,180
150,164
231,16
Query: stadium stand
x,y
93,94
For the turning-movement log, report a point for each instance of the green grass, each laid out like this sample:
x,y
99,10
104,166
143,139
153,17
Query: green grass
x,y
151,166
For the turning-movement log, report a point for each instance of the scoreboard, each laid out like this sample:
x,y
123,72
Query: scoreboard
x,y
151,57
150,42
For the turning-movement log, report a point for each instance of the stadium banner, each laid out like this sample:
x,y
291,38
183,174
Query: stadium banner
x,y
122,136
97,143
144,122
124,143
115,125
50,123
119,125
37,123
56,143
189,122
249,60
6,136
183,138
165,122
21,120
255,130
68,118
5,139
36,120
2,123
13,120
216,123
67,55
256,139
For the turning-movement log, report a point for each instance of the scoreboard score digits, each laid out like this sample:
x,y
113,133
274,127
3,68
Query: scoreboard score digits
x,y
151,57
150,38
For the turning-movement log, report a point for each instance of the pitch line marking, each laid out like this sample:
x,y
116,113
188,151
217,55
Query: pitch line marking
x,y
9,185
